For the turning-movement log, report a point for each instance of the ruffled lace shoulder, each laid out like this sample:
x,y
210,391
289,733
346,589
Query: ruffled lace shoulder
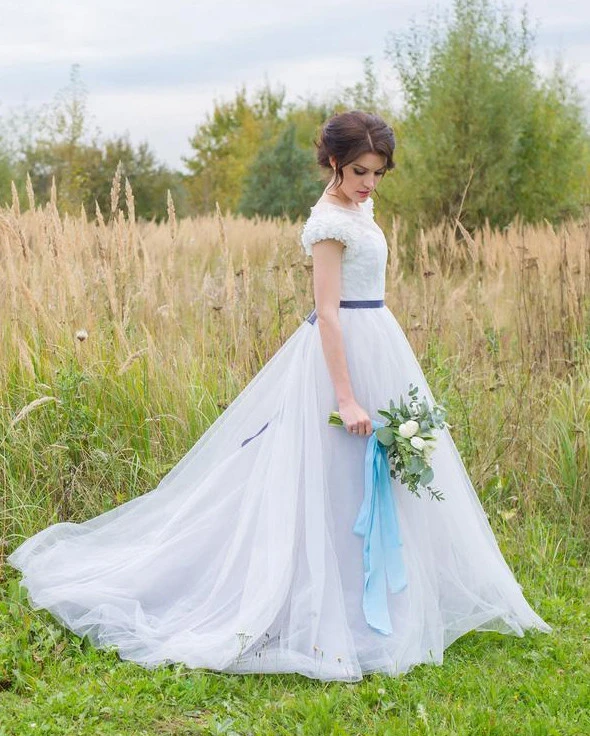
x,y
364,257
325,224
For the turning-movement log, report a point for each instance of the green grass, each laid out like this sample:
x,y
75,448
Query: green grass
x,y
53,682
167,350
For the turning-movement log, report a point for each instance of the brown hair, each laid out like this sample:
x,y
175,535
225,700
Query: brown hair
x,y
347,135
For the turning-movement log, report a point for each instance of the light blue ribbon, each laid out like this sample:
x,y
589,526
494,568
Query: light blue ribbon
x,y
377,522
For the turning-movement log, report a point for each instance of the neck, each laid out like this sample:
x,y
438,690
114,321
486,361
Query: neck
x,y
345,201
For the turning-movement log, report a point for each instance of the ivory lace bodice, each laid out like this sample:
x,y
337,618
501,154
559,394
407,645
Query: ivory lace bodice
x,y
365,253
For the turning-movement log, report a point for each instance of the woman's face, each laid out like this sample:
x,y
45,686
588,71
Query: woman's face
x,y
361,176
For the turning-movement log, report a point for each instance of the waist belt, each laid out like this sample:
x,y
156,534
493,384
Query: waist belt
x,y
351,304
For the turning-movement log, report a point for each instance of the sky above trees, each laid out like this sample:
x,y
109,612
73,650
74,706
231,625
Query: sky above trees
x,y
154,68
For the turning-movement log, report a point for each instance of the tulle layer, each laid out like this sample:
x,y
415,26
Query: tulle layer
x,y
243,559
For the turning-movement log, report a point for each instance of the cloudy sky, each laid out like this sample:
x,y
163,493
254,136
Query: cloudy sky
x,y
154,68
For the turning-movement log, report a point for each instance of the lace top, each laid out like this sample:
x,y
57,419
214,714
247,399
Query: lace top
x,y
365,253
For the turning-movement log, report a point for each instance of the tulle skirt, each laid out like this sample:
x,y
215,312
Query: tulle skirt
x,y
243,559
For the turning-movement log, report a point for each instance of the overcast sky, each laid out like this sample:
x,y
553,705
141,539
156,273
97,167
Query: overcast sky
x,y
154,69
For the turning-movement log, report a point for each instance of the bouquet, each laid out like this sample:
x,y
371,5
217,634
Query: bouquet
x,y
409,439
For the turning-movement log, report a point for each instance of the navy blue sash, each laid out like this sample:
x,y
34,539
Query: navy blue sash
x,y
350,304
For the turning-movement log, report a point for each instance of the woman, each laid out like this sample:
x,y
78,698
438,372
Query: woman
x,y
245,557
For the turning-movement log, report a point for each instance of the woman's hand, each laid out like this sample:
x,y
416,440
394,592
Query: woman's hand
x,y
355,418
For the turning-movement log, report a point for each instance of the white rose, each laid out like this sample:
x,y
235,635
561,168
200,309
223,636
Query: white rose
x,y
418,443
412,427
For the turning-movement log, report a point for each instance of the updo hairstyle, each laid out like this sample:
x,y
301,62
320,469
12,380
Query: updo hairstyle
x,y
348,135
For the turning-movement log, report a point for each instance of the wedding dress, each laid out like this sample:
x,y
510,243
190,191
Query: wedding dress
x,y
244,559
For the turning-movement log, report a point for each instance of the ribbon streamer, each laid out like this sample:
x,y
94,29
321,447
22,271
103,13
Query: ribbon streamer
x,y
377,522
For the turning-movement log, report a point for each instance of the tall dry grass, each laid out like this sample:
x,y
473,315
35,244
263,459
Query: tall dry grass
x,y
122,341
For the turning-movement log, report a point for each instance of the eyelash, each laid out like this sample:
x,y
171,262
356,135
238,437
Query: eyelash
x,y
360,173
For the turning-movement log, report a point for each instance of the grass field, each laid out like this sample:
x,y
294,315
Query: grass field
x,y
120,344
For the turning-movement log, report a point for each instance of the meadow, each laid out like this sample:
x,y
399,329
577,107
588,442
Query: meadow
x,y
122,341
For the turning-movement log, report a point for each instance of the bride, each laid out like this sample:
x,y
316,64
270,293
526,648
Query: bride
x,y
244,558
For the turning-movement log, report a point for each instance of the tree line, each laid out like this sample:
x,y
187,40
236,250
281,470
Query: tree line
x,y
482,136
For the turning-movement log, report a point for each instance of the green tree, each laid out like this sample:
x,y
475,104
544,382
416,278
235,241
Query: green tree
x,y
56,147
6,174
225,146
551,170
483,135
281,181
366,95
56,140
149,179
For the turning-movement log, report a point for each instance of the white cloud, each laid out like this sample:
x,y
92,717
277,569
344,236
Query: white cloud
x,y
154,68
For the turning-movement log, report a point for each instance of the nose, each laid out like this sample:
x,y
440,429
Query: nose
x,y
369,181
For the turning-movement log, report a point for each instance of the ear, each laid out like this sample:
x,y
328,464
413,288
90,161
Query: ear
x,y
332,160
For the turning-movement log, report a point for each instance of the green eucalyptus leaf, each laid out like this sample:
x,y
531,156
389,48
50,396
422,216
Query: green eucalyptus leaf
x,y
415,465
385,435
426,476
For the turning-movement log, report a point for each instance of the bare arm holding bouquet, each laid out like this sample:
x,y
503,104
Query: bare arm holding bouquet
x,y
327,255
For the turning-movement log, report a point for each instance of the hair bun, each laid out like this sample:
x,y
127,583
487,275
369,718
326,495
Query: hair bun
x,y
347,135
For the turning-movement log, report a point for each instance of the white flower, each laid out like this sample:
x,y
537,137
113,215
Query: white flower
x,y
418,443
81,335
409,428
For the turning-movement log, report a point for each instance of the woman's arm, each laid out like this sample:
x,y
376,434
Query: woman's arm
x,y
327,257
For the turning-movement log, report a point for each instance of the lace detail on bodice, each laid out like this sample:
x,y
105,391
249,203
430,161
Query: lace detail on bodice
x,y
365,253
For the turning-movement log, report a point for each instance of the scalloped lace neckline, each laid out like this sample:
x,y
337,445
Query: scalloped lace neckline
x,y
362,210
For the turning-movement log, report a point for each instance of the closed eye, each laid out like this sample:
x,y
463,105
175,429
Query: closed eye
x,y
360,173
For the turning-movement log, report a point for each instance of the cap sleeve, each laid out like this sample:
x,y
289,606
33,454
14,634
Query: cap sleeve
x,y
324,226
